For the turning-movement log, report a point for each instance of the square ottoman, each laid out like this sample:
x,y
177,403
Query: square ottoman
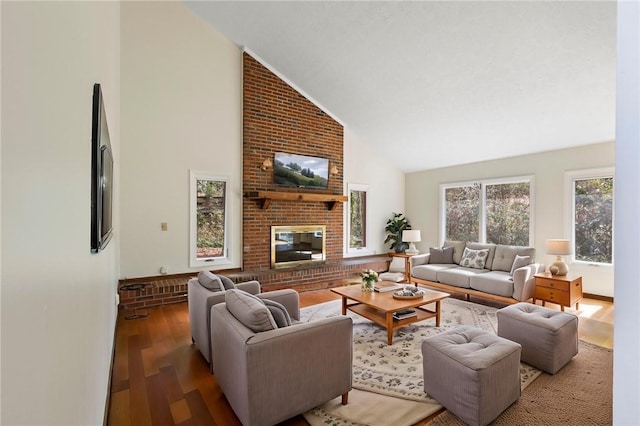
x,y
472,373
549,338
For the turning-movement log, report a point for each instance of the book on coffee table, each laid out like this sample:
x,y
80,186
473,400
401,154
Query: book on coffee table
x,y
404,314
382,286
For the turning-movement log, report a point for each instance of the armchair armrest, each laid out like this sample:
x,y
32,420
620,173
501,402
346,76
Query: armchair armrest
x,y
252,287
289,298
524,286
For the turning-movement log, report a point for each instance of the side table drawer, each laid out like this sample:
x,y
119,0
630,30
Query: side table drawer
x,y
552,295
553,284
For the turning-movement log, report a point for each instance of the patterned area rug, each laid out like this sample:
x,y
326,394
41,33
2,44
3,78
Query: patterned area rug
x,y
394,372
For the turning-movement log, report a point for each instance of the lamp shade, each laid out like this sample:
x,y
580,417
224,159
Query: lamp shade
x,y
411,236
558,247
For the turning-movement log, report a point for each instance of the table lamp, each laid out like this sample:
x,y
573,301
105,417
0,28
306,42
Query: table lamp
x,y
411,236
559,248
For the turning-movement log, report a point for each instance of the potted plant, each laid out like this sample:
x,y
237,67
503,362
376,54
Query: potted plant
x,y
395,225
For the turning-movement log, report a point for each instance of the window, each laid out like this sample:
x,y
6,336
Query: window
x,y
494,211
592,215
357,221
208,208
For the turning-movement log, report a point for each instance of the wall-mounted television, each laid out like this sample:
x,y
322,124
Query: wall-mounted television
x,y
101,175
300,171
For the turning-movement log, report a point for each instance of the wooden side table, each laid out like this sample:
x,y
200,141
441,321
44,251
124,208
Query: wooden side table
x,y
564,290
407,263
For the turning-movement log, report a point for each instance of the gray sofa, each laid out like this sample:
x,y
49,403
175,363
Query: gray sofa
x,y
271,371
503,273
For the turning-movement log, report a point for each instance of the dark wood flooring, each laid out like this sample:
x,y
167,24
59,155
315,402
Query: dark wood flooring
x,y
160,378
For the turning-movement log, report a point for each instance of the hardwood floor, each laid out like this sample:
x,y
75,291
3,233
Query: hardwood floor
x,y
160,378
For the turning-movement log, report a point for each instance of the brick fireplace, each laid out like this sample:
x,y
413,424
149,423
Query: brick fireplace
x,y
279,119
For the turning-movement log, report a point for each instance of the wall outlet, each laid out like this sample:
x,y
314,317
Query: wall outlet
x,y
117,299
164,270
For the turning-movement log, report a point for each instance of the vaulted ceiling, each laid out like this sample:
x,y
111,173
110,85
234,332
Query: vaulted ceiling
x,y
434,84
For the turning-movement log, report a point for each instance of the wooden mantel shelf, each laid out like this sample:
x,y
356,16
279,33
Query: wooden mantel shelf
x,y
265,197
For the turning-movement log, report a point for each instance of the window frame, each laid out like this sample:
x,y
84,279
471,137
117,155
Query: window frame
x,y
194,261
570,211
482,214
366,249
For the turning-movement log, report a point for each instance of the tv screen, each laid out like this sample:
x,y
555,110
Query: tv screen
x,y
300,171
101,175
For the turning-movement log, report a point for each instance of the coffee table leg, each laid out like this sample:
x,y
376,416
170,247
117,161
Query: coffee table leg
x,y
389,328
438,313
344,305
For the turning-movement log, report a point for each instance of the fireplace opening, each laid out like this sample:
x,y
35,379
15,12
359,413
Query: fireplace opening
x,y
297,245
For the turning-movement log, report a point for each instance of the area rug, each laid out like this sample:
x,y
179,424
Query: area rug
x,y
388,379
579,394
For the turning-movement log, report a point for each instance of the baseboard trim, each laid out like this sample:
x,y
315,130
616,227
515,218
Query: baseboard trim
x,y
598,297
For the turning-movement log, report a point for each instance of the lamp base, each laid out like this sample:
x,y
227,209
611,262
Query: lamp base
x,y
559,267
412,249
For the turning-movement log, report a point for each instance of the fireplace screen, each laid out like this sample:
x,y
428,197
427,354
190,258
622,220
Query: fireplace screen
x,y
296,245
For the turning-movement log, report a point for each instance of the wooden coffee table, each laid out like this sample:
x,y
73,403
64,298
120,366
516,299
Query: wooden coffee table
x,y
380,307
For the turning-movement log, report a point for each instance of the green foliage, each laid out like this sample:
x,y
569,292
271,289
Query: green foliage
x,y
463,213
210,216
395,225
594,220
507,209
357,228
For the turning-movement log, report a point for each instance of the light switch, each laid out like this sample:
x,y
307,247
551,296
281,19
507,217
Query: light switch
x,y
163,226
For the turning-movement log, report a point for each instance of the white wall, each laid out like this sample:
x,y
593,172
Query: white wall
x,y
181,110
384,196
549,169
58,299
626,371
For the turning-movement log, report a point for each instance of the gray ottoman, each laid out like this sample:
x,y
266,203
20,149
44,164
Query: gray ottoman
x,y
473,374
549,338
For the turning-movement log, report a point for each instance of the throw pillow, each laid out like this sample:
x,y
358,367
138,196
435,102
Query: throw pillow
x,y
226,282
210,281
279,312
249,310
441,255
474,258
519,262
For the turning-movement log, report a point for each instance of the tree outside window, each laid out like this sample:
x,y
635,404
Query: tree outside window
x,y
462,213
357,219
208,230
491,211
507,209
593,219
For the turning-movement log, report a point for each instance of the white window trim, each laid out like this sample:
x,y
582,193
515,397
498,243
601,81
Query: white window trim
x,y
569,211
482,237
212,262
360,251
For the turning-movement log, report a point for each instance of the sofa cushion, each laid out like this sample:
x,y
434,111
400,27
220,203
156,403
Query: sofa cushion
x,y
458,248
210,281
430,272
249,310
226,282
440,256
492,251
279,313
474,258
458,276
504,256
519,262
494,282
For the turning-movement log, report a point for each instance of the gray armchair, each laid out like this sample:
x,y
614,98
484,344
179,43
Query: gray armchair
x,y
201,299
270,376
